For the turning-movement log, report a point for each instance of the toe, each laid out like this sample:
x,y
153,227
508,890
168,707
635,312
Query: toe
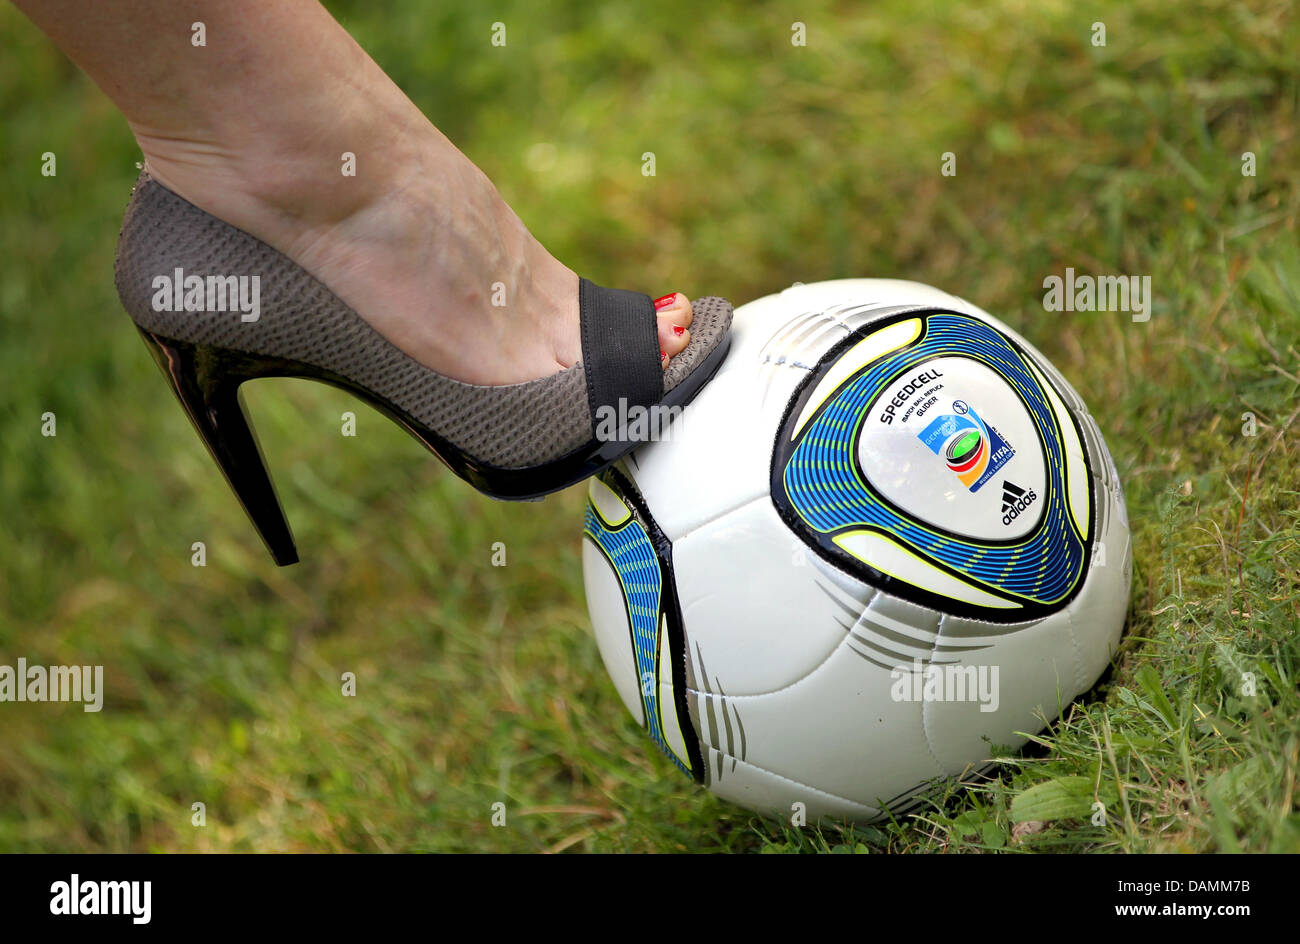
x,y
675,308
674,316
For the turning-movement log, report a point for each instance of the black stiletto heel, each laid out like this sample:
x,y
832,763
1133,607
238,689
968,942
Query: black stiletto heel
x,y
206,381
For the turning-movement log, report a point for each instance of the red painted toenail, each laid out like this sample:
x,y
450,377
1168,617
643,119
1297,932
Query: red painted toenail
x,y
665,301
678,330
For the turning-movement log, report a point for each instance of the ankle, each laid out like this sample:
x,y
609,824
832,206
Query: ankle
x,y
313,160
263,186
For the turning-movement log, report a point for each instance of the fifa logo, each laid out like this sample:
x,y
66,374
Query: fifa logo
x,y
972,449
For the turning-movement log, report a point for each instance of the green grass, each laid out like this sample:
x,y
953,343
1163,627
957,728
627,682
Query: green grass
x,y
478,684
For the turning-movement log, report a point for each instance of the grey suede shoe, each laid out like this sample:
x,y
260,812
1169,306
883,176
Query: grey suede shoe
x,y
217,307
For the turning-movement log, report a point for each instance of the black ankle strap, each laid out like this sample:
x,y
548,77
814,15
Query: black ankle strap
x,y
620,348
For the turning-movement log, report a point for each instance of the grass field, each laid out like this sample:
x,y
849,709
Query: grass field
x,y
775,163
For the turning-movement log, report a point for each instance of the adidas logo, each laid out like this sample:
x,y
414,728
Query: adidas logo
x,y
1015,500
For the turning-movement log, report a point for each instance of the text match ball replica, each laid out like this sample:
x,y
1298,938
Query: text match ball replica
x,y
886,538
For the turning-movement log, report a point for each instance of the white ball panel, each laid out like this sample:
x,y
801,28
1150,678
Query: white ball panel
x,y
1037,672
751,611
718,458
761,790
837,728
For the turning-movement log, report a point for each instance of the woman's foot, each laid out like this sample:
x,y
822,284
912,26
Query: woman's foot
x,y
419,242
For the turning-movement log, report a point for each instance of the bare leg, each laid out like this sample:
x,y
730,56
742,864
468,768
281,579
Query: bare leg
x,y
252,127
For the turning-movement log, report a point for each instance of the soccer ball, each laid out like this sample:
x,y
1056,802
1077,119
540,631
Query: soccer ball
x,y
884,540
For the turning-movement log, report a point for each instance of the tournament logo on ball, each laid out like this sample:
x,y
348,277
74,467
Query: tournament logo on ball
x,y
973,449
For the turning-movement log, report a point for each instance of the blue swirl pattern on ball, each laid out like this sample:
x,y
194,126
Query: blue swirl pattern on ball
x,y
630,553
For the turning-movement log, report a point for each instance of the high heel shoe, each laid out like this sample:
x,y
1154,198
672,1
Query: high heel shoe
x,y
218,307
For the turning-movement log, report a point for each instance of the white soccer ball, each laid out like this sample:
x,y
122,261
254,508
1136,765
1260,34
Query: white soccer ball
x,y
886,538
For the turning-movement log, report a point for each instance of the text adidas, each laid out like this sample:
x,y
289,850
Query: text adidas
x,y
1015,500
